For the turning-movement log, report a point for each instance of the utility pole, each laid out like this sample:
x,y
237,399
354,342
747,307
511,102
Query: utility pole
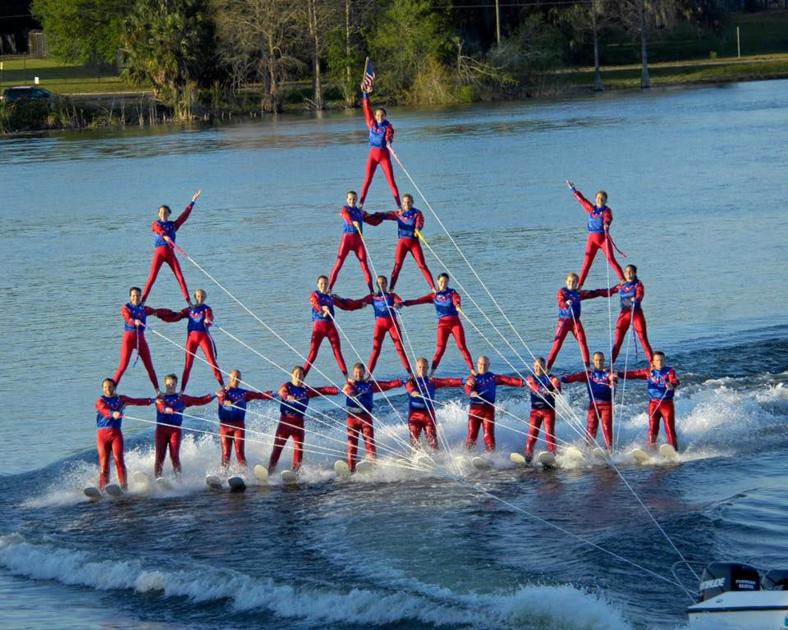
x,y
497,22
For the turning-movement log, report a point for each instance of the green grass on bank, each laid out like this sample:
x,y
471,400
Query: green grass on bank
x,y
60,77
687,72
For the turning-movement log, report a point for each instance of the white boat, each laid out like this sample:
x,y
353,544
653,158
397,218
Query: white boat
x,y
737,596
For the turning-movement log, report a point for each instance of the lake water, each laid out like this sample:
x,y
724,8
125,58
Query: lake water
x,y
697,184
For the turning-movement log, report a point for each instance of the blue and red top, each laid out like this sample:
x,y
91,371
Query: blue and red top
x,y
446,302
599,219
318,300
358,394
408,221
486,386
295,398
574,296
169,228
380,134
169,407
543,388
232,403
631,294
598,382
422,392
658,381
107,405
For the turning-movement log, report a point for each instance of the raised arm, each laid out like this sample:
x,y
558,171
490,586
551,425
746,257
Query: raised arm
x,y
425,299
368,117
585,203
187,211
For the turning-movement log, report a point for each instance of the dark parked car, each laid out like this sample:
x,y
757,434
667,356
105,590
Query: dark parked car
x,y
32,92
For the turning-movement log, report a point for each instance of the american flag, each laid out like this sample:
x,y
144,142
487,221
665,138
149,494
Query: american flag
x,y
369,77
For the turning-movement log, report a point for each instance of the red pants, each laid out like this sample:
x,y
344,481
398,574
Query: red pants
x,y
379,156
129,343
537,416
383,325
638,323
289,427
351,243
667,412
161,255
600,411
412,245
200,339
356,425
595,242
484,417
110,440
229,433
564,326
167,437
450,326
321,330
419,421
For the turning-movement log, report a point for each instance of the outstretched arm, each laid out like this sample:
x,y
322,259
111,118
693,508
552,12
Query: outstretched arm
x,y
425,299
347,304
382,386
577,377
138,402
193,401
595,293
166,315
259,395
512,381
447,382
641,374
326,390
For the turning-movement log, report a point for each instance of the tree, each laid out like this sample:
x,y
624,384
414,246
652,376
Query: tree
x,y
409,37
83,31
169,43
589,20
321,16
262,36
639,17
346,46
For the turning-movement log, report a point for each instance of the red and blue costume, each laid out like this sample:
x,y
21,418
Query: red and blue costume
x,y
352,241
543,389
380,136
569,308
198,336
599,220
631,294
408,221
481,389
134,339
169,418
164,252
323,326
232,420
109,437
661,389
359,403
421,406
385,322
294,402
600,404
446,303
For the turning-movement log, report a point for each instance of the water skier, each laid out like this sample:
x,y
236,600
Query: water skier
x,y
421,402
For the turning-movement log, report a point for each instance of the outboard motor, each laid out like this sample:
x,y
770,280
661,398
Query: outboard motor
x,y
720,577
776,580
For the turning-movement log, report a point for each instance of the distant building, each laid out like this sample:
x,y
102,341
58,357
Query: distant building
x,y
16,22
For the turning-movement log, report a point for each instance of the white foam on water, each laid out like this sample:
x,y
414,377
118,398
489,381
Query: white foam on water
x,y
530,605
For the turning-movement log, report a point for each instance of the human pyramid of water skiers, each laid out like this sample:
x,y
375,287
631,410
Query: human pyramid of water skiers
x,y
360,386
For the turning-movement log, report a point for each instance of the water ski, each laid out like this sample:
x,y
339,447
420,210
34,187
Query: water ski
x,y
341,469
261,473
164,484
572,452
669,454
640,456
92,493
237,484
289,476
114,490
481,463
546,459
213,482
517,459
365,466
